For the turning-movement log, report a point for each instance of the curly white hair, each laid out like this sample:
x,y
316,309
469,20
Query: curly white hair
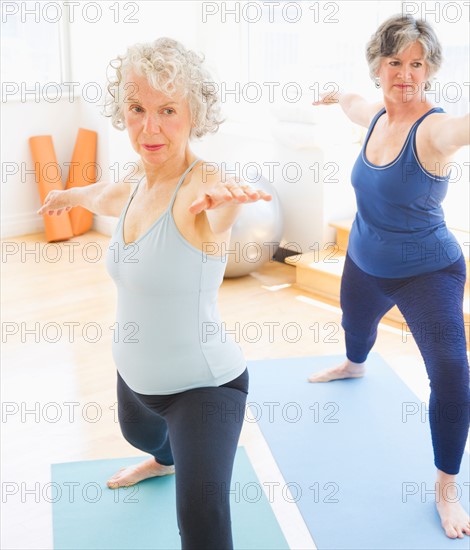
x,y
169,68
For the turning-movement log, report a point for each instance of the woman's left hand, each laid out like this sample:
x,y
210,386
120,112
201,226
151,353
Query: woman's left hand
x,y
225,194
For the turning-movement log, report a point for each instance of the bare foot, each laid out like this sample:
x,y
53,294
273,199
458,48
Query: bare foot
x,y
454,519
131,475
348,369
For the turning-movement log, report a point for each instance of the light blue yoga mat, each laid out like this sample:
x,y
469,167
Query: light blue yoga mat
x,y
88,515
356,454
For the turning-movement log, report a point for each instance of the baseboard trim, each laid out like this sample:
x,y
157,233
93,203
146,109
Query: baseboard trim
x,y
28,224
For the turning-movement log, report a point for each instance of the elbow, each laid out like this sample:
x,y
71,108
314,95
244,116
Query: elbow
x,y
223,221
220,227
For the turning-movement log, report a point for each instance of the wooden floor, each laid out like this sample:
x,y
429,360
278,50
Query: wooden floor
x,y
58,376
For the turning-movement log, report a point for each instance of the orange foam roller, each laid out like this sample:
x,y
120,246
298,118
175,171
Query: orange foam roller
x,y
82,171
48,178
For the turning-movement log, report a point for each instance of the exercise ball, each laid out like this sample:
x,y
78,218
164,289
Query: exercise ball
x,y
256,233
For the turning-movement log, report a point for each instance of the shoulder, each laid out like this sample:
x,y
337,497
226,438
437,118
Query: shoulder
x,y
207,174
434,123
125,189
372,111
445,133
364,113
436,119
130,186
131,182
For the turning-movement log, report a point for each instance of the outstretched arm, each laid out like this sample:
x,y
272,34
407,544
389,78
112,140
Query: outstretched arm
x,y
223,200
107,199
355,107
448,133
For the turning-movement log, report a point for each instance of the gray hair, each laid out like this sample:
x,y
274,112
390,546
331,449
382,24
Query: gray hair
x,y
397,33
170,68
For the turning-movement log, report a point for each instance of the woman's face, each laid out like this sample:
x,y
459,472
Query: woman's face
x,y
158,125
402,76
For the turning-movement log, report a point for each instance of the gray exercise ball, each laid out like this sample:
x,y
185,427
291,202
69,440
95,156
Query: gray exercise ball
x,y
256,233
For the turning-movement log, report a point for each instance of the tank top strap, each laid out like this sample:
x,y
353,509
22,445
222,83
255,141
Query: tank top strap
x,y
186,172
129,200
377,116
136,187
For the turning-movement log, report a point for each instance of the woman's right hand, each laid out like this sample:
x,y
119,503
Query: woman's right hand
x,y
56,202
327,98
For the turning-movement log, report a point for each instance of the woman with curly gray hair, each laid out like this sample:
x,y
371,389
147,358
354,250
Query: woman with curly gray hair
x,y
400,250
181,383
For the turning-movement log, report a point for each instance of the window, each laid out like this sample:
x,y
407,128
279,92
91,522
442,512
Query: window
x,y
34,46
293,50
314,43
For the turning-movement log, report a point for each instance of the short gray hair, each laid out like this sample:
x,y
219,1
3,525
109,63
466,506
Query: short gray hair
x,y
398,32
169,68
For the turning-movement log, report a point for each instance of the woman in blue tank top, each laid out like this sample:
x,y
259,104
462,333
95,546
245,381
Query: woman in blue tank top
x,y
400,251
181,384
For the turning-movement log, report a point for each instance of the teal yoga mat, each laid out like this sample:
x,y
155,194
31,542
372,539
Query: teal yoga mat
x,y
356,454
88,515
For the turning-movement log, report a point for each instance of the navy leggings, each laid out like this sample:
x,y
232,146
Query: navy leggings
x,y
431,304
197,431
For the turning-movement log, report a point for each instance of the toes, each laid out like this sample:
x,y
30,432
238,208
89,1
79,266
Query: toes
x,y
463,529
112,484
116,475
450,531
117,485
319,377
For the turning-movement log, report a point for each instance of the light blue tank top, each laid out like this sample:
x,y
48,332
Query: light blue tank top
x,y
168,335
399,229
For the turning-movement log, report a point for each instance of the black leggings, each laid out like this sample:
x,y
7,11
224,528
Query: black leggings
x,y
198,432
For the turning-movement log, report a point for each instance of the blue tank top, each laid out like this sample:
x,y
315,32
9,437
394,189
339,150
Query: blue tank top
x,y
399,229
168,335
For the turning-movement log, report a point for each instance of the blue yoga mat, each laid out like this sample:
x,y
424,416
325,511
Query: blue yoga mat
x,y
356,454
88,515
